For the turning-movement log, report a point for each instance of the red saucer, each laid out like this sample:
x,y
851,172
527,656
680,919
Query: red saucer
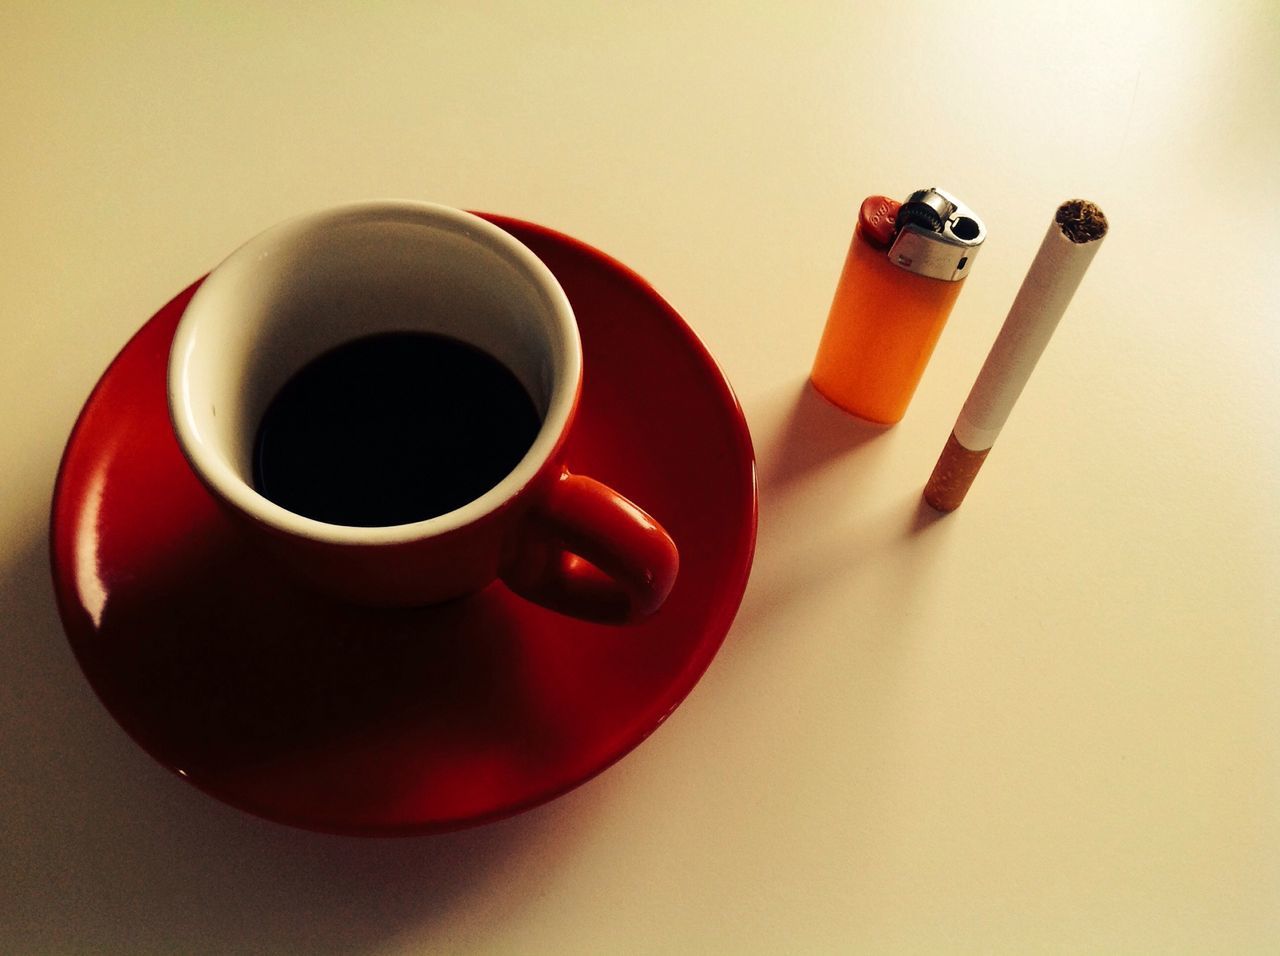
x,y
306,711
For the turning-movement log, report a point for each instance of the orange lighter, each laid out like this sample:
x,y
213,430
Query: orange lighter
x,y
903,273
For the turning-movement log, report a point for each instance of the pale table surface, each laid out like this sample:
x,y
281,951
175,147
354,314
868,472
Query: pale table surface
x,y
1050,721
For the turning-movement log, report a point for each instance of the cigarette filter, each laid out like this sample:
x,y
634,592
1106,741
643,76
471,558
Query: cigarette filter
x,y
906,265
1069,246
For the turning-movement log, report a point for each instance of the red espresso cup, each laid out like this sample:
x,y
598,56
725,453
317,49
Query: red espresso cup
x,y
317,282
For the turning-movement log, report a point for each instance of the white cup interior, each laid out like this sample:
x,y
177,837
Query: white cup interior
x,y
318,281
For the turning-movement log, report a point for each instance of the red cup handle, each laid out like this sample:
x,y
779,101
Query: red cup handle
x,y
588,552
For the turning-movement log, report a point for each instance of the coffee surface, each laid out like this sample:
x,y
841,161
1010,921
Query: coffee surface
x,y
391,429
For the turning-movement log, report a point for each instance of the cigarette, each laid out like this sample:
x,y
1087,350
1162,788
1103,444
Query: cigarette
x,y
1068,248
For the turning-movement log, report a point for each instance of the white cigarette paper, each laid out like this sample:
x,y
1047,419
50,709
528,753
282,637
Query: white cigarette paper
x,y
1068,247
1045,294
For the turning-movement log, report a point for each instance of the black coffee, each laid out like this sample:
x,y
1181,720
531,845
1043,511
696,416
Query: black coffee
x,y
391,429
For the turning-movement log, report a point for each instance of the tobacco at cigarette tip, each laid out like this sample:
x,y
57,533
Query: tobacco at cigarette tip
x,y
1081,221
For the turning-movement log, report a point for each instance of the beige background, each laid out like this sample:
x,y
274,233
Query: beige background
x,y
1050,721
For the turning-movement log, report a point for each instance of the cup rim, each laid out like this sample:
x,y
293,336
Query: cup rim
x,y
225,482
